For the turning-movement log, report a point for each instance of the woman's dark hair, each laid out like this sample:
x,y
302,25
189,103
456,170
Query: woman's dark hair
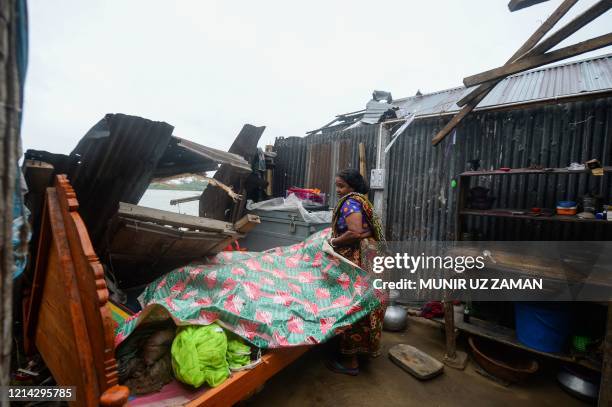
x,y
354,179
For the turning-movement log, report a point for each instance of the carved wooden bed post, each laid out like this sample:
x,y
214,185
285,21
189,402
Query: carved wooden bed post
x,y
67,318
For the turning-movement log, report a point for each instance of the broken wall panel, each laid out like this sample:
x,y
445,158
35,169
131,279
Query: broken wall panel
x,y
215,203
118,157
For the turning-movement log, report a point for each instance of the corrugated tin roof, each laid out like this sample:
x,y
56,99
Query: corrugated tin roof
x,y
588,76
570,79
184,156
217,156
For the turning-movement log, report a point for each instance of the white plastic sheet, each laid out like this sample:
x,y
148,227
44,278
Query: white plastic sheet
x,y
292,202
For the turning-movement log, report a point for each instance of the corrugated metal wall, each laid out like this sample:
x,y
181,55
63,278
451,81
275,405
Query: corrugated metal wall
x,y
421,201
312,161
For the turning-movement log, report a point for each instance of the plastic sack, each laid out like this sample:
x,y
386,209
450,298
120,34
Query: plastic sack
x,y
199,355
292,202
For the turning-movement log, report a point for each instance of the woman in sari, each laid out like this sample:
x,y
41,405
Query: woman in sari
x,y
356,232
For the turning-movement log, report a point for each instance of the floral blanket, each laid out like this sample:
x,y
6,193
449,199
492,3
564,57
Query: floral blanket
x,y
287,296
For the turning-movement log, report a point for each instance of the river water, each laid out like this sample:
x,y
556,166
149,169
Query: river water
x,y
160,199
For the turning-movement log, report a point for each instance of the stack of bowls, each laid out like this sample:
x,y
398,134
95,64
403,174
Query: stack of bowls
x,y
568,208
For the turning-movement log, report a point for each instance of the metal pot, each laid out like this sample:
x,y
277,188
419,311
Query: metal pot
x,y
580,383
395,315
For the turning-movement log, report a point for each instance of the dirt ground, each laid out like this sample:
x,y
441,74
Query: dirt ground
x,y
307,382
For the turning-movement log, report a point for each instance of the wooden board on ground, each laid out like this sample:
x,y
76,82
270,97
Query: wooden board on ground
x,y
416,362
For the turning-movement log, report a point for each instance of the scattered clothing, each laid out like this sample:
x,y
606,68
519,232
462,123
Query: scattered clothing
x,y
144,363
238,353
433,309
199,355
287,296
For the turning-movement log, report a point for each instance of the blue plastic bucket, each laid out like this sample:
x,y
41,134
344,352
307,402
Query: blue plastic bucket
x,y
543,326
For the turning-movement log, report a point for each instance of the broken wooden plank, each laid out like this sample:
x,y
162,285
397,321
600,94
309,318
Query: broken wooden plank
x,y
173,219
516,5
416,362
570,28
246,223
563,33
214,202
477,95
535,61
528,45
457,119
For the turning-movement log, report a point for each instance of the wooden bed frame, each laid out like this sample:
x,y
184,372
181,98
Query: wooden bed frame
x,y
68,321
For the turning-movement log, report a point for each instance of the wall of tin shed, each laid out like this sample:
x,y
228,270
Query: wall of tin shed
x,y
312,161
421,201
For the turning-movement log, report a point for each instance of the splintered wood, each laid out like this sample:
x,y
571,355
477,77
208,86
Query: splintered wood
x,y
532,54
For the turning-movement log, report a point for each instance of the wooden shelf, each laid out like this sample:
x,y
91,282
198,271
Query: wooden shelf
x,y
526,171
507,336
507,213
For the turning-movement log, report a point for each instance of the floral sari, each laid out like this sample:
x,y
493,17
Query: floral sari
x,y
364,336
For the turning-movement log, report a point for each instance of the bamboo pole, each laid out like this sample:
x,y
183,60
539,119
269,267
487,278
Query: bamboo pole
x,y
362,160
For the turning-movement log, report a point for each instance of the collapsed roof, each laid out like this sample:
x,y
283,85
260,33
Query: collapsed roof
x,y
579,78
118,158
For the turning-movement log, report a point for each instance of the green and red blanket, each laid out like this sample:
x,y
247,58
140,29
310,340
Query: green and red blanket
x,y
287,296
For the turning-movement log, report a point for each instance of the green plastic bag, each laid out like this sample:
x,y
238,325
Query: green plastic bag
x,y
238,352
199,355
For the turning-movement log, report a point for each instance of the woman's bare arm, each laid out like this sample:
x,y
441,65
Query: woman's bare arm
x,y
355,231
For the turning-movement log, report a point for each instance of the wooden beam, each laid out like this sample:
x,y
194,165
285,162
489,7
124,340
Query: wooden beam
x,y
173,219
457,119
563,33
269,149
570,28
516,5
362,160
535,61
470,101
528,45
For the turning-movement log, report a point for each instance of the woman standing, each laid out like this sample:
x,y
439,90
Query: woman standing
x,y
356,233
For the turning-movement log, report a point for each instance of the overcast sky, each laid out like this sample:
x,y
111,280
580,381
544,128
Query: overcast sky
x,y
208,67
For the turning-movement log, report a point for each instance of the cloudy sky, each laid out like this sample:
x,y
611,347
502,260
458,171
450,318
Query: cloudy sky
x,y
208,67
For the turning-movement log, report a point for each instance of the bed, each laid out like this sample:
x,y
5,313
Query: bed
x,y
67,317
